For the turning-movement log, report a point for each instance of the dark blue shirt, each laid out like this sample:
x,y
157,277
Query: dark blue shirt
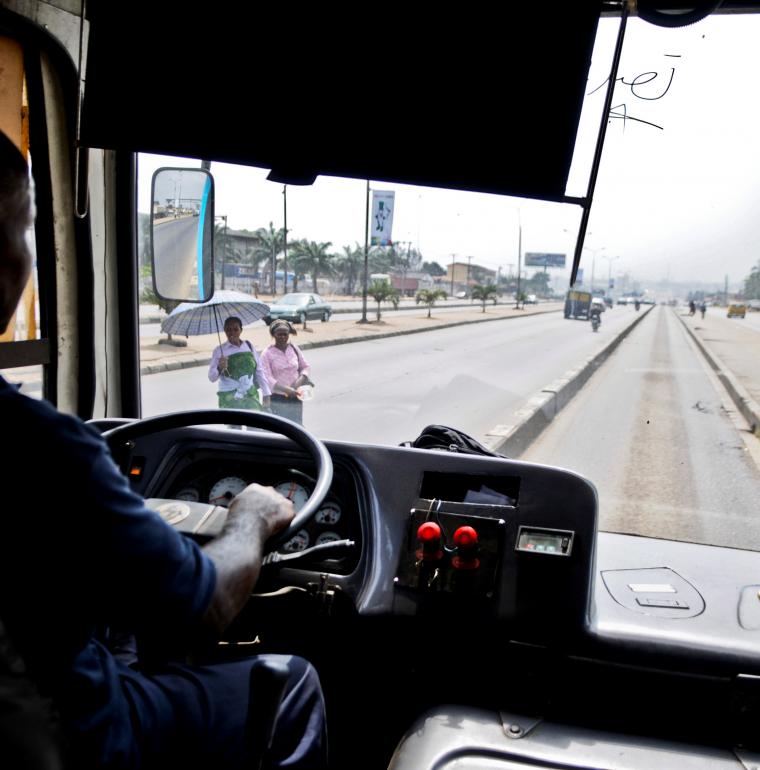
x,y
79,551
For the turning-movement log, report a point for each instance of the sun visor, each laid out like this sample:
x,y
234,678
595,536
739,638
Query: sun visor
x,y
485,100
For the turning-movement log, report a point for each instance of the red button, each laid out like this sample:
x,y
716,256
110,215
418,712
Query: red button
x,y
465,537
429,532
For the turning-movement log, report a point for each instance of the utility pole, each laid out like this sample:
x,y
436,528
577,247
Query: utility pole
x,y
610,260
224,248
285,237
519,259
363,319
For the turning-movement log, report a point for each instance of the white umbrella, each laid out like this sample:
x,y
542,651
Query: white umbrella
x,y
191,319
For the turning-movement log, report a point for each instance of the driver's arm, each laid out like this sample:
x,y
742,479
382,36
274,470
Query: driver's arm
x,y
254,516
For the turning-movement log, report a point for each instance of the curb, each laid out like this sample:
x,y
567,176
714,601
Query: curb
x,y
156,368
746,405
157,319
512,440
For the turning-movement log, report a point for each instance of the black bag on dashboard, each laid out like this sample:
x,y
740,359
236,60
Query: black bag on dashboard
x,y
447,439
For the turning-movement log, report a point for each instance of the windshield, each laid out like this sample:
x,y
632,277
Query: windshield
x,y
293,299
644,404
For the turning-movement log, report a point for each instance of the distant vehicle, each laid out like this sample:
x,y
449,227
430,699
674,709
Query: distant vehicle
x,y
577,303
299,308
753,304
608,301
531,300
598,302
461,295
736,310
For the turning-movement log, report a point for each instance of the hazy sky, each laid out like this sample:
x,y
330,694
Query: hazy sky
x,y
678,193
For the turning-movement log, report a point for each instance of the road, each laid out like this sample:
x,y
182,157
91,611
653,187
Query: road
x,y
654,432
175,241
385,391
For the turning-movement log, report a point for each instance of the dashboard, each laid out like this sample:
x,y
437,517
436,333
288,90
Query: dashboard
x,y
541,593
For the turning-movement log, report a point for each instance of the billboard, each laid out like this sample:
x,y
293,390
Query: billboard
x,y
382,217
539,259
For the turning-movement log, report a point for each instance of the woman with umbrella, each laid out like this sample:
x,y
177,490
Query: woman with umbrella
x,y
236,366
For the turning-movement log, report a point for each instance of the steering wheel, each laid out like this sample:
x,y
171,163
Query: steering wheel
x,y
119,439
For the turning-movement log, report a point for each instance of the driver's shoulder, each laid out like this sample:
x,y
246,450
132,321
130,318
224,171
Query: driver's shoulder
x,y
42,423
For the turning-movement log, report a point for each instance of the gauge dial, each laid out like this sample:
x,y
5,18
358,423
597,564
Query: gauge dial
x,y
225,489
328,537
296,493
191,494
299,542
328,514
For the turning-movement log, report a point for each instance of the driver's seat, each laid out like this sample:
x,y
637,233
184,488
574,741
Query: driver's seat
x,y
30,734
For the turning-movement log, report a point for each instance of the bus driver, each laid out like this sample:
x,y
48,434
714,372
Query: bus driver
x,y
114,562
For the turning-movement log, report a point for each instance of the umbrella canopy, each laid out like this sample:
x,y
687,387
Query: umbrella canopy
x,y
191,319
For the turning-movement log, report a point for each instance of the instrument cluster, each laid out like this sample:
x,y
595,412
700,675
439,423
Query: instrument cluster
x,y
217,481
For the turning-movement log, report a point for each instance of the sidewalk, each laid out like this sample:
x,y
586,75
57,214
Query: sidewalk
x,y
732,348
158,357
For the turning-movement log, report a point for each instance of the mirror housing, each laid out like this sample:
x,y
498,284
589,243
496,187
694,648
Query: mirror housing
x,y
182,234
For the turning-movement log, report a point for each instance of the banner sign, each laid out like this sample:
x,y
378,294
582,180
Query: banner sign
x,y
382,217
536,259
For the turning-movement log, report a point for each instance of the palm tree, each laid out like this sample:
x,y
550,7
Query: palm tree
x,y
350,265
381,291
484,293
268,244
428,297
313,258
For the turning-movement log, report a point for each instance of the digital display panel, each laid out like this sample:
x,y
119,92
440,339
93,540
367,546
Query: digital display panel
x,y
556,542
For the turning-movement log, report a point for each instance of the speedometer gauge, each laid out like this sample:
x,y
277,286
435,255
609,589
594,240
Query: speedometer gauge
x,y
225,489
327,537
328,514
299,542
190,494
296,493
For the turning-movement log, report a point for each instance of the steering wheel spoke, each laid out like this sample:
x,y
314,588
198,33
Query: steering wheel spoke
x,y
210,518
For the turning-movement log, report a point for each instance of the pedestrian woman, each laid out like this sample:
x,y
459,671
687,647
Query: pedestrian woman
x,y
237,367
287,371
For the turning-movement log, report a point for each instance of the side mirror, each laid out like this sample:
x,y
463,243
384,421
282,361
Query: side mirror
x,y
182,234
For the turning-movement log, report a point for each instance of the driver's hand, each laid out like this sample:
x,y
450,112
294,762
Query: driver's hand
x,y
273,510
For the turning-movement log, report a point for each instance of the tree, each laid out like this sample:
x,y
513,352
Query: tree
x,y
381,291
433,268
349,266
428,297
752,283
484,293
268,244
538,284
313,258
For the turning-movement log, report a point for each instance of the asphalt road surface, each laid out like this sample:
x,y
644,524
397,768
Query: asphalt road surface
x,y
654,432
386,391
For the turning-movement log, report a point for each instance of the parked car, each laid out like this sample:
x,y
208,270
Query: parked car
x,y
299,308
531,299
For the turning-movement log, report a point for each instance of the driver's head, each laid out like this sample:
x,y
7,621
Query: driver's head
x,y
15,219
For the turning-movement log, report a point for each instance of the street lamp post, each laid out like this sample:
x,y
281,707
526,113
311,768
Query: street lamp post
x,y
593,262
224,246
610,260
